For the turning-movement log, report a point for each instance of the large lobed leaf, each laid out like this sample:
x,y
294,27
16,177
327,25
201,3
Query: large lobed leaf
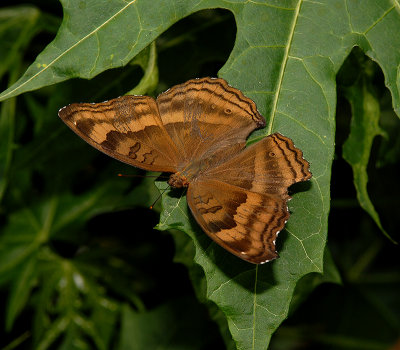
x,y
286,56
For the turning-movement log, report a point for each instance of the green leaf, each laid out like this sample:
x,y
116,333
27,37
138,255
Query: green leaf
x,y
21,291
26,258
7,120
17,27
357,148
19,240
72,297
35,225
56,329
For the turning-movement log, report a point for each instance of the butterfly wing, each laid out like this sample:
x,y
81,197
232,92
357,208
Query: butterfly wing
x,y
128,128
207,118
244,223
242,204
269,166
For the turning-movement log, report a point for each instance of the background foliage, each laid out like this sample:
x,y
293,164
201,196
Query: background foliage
x,y
81,266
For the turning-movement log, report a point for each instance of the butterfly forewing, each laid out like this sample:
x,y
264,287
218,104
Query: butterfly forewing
x,y
127,128
206,118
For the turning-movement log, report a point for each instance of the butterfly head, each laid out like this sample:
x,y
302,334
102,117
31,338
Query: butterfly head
x,y
178,180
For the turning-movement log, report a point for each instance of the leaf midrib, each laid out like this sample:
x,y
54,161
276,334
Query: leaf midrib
x,y
283,67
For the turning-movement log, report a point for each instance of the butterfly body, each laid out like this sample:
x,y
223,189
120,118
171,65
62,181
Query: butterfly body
x,y
178,180
197,131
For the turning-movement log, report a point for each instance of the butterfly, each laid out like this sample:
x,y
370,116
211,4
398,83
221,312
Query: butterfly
x,y
197,131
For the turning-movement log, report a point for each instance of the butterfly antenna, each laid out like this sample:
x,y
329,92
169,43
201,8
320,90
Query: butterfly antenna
x,y
133,175
159,196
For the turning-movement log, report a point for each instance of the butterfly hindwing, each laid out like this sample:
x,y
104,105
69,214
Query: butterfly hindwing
x,y
242,203
269,166
243,222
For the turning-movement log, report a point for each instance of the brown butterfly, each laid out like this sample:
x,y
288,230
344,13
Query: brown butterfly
x,y
197,131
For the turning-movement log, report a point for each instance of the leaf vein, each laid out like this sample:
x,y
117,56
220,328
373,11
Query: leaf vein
x,y
303,126
379,19
305,251
270,312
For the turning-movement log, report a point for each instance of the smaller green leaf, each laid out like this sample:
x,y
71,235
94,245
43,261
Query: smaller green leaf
x,y
21,290
68,294
17,27
104,317
42,320
357,148
19,240
72,340
7,114
88,327
56,329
